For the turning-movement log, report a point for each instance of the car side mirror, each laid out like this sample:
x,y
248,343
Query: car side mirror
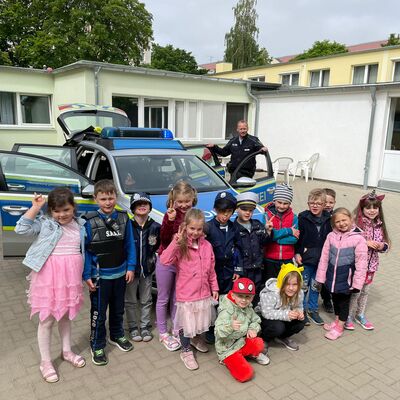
x,y
244,182
88,191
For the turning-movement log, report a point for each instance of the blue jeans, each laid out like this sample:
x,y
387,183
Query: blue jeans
x,y
311,296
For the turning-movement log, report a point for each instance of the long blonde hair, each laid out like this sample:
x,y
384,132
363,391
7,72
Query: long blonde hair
x,y
182,187
194,214
285,299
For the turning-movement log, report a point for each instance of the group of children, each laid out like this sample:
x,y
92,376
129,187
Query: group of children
x,y
209,275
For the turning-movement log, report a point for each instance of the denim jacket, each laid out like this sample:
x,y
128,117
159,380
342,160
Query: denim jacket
x,y
48,234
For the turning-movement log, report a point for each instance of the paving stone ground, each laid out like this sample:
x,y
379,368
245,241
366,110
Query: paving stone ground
x,y
361,365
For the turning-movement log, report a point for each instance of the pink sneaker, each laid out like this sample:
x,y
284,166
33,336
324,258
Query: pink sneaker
x,y
334,333
349,325
330,326
188,359
364,322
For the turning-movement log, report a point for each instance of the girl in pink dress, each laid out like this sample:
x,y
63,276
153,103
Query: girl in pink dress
x,y
56,260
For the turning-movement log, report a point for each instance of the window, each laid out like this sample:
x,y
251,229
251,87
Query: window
x,y
396,75
319,78
212,121
393,135
129,105
365,74
234,113
291,79
23,109
260,78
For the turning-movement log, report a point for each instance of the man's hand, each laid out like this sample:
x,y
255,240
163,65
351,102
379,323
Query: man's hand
x,y
210,145
91,286
264,149
129,276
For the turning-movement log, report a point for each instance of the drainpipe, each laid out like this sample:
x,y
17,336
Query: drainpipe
x,y
370,135
257,101
96,85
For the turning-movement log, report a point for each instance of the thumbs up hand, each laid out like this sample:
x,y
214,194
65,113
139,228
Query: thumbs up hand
x,y
236,324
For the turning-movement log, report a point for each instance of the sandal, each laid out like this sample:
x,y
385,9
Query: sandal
x,y
75,359
48,372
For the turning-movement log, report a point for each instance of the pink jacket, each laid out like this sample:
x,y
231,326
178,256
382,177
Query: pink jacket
x,y
195,277
343,263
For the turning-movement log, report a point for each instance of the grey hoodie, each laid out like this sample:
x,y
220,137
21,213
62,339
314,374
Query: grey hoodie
x,y
270,305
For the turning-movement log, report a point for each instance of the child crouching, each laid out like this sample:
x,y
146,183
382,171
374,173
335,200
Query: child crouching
x,y
236,330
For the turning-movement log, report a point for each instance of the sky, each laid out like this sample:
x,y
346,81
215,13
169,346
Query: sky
x,y
286,26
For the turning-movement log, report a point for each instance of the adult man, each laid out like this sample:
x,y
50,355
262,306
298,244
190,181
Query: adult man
x,y
240,147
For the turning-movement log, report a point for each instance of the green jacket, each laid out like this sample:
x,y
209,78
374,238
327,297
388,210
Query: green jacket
x,y
228,341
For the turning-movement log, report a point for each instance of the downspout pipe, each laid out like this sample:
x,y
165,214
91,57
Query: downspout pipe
x,y
370,136
257,102
96,85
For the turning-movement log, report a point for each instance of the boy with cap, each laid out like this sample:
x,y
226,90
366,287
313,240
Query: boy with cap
x,y
146,234
236,330
254,235
284,233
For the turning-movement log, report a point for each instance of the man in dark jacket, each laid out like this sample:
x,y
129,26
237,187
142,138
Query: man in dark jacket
x,y
238,148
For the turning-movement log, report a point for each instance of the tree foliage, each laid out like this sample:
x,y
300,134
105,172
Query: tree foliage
x,y
59,32
393,40
322,48
241,47
173,59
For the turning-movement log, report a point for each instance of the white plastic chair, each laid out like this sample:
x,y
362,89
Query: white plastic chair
x,y
283,165
307,167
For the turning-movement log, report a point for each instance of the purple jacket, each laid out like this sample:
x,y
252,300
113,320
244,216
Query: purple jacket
x,y
343,263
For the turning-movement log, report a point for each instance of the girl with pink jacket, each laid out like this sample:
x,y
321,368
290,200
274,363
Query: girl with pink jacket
x,y
196,284
342,267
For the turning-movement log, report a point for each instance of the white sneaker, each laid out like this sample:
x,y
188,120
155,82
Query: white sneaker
x,y
262,359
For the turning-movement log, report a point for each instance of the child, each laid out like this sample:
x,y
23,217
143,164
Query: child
x,y
55,257
236,331
146,234
254,235
281,307
329,206
342,267
369,218
285,232
110,262
314,226
196,284
181,198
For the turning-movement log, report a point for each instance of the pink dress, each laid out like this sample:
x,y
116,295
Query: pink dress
x,y
57,290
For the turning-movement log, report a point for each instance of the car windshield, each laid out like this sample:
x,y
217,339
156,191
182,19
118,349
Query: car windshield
x,y
156,174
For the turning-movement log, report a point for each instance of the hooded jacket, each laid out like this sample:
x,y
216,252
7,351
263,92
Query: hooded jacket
x,y
227,340
195,276
270,305
343,263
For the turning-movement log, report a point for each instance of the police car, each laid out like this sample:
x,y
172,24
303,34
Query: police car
x,y
145,160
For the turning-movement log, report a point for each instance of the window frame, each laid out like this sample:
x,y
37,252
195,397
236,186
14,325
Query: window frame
x,y
367,68
257,78
321,72
290,74
396,62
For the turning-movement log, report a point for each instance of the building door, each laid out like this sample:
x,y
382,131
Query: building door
x,y
234,113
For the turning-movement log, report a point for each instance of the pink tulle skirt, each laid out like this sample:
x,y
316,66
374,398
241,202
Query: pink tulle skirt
x,y
57,290
194,317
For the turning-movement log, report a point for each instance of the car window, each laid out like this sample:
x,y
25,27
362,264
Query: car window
x,y
204,153
31,174
101,168
157,174
63,155
84,156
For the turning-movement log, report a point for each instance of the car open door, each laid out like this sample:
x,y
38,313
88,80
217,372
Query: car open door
x,y
21,175
208,156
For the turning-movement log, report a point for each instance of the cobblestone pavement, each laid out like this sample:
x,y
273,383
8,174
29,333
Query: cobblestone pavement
x,y
360,365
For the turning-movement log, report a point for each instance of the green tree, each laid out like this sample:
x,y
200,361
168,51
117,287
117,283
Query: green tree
x,y
320,49
241,48
59,32
173,59
393,40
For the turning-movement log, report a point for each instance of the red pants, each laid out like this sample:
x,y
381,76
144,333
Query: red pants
x,y
238,366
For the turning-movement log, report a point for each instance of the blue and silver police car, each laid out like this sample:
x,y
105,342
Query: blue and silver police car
x,y
136,159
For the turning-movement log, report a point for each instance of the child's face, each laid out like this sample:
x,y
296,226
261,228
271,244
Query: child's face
x,y
64,214
106,201
316,206
371,211
342,223
330,203
183,202
292,287
142,208
281,206
223,216
242,300
245,213
194,229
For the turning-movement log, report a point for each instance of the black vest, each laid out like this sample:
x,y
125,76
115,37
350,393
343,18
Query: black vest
x,y
106,243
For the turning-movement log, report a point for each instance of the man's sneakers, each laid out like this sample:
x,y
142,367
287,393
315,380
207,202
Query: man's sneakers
x,y
122,343
314,316
99,357
288,343
367,325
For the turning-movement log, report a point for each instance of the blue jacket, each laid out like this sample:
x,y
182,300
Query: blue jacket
x,y
48,233
90,269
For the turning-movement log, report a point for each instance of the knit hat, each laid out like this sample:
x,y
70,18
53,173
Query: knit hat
x,y
225,201
283,192
247,199
244,286
140,197
285,269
